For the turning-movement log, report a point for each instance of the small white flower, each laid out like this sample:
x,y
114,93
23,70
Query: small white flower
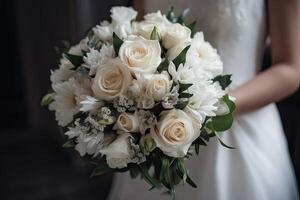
x,y
171,99
147,120
90,103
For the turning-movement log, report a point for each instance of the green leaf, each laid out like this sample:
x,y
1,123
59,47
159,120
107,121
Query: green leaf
x,y
181,105
181,57
192,27
180,169
222,143
154,34
171,15
184,86
183,15
165,164
220,123
101,169
163,66
144,171
74,59
191,182
185,95
134,171
224,80
47,99
117,43
69,144
229,103
204,135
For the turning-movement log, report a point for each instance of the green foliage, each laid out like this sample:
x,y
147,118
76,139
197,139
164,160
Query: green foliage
x,y
171,15
220,123
163,66
182,16
101,168
222,143
146,176
184,86
74,59
47,99
69,144
229,103
154,34
192,27
134,171
181,57
185,95
117,43
181,104
224,80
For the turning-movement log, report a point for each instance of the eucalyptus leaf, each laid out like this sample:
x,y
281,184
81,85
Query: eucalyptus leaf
x,y
191,182
181,57
117,43
74,59
224,80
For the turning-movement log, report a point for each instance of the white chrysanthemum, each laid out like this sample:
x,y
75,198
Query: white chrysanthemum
x,y
90,103
203,57
204,100
103,31
63,73
95,58
183,74
67,98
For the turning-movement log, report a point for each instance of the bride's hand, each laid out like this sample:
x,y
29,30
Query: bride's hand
x,y
283,77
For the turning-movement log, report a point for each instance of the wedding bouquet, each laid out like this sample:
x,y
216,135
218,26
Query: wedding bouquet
x,y
141,96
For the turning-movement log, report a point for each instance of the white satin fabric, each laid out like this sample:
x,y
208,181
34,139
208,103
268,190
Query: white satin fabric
x,y
260,167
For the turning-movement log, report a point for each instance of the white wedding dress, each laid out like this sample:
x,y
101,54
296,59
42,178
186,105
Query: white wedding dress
x,y
260,167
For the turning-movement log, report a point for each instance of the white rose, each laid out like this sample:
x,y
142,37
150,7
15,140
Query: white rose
x,y
118,153
204,58
175,133
158,86
141,56
111,80
152,20
176,34
127,122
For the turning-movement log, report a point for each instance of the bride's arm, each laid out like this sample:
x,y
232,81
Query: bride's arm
x,y
283,77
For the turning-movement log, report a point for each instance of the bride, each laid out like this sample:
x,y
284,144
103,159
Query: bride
x,y
259,168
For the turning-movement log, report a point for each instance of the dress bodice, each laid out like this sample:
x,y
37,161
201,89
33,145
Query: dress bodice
x,y
237,28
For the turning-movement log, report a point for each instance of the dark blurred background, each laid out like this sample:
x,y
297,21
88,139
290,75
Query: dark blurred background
x,y
33,165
